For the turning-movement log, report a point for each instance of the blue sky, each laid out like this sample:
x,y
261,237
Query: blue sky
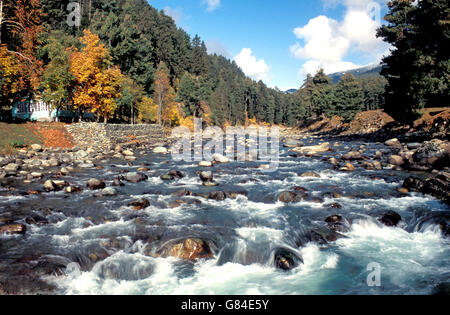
x,y
280,41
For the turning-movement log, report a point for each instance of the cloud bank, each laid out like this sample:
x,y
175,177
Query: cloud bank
x,y
327,42
256,69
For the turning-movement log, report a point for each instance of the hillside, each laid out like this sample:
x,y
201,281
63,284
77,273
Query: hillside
x,y
364,72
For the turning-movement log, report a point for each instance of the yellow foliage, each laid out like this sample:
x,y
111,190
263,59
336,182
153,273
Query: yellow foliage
x,y
9,70
148,110
98,84
173,114
188,122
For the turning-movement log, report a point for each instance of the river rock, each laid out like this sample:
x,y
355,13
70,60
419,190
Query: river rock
x,y
81,154
438,186
36,174
109,191
11,168
13,229
160,150
49,186
338,223
286,260
219,158
353,156
127,153
347,168
217,195
289,197
390,218
134,177
396,160
311,150
72,189
334,161
433,154
310,174
189,249
176,174
36,147
182,192
36,220
206,176
393,143
205,164
140,204
95,184
64,171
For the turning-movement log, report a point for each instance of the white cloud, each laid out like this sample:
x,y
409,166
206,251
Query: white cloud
x,y
175,14
215,47
256,69
212,4
327,42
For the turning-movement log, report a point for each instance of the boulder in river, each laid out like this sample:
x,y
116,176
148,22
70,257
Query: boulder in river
x,y
437,186
291,197
109,191
95,184
54,185
189,249
286,259
13,229
11,167
160,150
311,150
390,218
217,195
431,155
139,204
205,164
219,158
36,219
393,143
134,177
310,174
206,176
396,160
353,156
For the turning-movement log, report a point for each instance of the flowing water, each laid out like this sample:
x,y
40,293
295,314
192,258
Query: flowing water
x,y
111,241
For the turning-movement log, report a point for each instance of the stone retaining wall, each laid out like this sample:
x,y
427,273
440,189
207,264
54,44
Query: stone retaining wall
x,y
105,135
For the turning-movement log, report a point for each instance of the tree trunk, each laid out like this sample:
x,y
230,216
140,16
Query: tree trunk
x,y
159,114
1,19
105,119
132,114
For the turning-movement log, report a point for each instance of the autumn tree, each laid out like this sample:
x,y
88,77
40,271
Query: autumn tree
x,y
147,110
163,90
20,27
98,82
9,70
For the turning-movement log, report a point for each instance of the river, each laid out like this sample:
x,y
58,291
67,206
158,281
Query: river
x,y
114,245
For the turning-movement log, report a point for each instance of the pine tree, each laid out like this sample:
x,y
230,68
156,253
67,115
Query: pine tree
x,y
348,98
418,69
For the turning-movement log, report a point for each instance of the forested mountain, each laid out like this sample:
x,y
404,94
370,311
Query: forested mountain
x,y
127,61
363,72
